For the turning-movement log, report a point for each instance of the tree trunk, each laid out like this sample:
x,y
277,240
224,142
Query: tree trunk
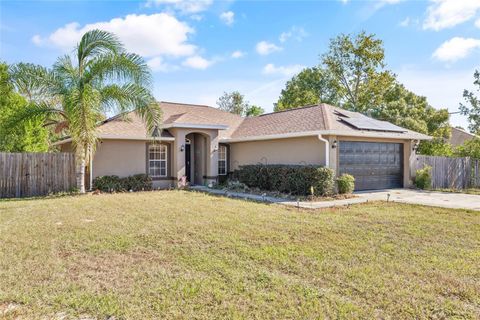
x,y
80,168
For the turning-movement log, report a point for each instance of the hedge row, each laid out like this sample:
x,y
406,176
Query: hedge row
x,y
292,179
138,182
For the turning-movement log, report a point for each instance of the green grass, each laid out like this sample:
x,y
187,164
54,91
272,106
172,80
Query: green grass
x,y
475,191
174,254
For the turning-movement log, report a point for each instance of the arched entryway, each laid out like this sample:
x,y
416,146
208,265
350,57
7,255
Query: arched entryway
x,y
196,157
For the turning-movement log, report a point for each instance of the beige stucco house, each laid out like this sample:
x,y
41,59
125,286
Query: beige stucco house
x,y
205,144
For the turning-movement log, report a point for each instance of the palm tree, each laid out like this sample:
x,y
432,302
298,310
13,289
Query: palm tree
x,y
78,91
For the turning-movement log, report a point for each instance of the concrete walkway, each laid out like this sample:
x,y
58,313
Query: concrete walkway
x,y
427,198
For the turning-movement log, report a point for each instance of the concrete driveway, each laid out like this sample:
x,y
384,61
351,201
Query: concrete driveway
x,y
426,198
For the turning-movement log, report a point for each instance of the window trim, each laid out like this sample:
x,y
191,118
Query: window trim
x,y
159,160
225,160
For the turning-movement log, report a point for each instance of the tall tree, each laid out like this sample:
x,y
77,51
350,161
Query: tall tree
x,y
471,108
78,91
356,64
30,136
311,86
406,109
233,102
253,111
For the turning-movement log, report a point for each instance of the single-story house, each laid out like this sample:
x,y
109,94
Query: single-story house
x,y
460,136
204,144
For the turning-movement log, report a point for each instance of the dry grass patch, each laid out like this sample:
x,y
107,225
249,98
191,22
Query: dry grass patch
x,y
175,254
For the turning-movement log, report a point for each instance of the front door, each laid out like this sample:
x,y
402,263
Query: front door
x,y
188,162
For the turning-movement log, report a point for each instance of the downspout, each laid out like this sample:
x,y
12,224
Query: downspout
x,y
327,150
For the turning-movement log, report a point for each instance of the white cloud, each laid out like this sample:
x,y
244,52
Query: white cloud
x,y
265,48
282,70
456,48
443,14
147,35
296,33
184,6
405,22
227,17
237,54
477,23
158,64
36,39
197,62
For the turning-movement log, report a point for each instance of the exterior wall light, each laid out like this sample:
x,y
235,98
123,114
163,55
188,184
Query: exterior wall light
x,y
415,146
182,148
334,144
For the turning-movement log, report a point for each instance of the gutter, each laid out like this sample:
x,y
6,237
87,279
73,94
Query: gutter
x,y
341,133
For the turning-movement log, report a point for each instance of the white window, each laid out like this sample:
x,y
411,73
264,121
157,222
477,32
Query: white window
x,y
157,160
222,160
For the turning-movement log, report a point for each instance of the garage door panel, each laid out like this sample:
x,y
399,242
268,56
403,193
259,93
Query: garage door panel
x,y
375,165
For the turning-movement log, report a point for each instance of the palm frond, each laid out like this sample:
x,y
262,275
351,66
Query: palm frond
x,y
97,42
66,71
123,67
33,81
128,97
34,111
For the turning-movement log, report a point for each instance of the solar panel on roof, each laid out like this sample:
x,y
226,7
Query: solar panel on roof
x,y
372,124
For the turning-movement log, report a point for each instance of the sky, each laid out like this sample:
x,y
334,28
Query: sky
x,y
199,49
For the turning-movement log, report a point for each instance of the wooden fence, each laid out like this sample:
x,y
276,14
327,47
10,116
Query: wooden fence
x,y
450,173
35,174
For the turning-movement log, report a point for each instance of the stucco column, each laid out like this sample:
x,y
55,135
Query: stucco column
x,y
212,158
333,154
408,156
178,155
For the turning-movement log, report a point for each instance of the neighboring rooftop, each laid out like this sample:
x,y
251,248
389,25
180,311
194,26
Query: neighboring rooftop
x,y
460,136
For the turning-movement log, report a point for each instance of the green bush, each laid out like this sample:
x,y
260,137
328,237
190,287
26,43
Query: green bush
x,y
138,182
423,178
292,179
346,184
107,183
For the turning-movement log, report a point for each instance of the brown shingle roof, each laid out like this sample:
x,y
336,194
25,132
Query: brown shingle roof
x,y
132,125
317,118
322,118
311,118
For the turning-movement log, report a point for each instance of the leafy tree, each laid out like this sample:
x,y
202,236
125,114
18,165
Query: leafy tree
x,y
436,147
408,110
76,93
470,148
472,107
29,136
233,102
311,86
253,111
356,64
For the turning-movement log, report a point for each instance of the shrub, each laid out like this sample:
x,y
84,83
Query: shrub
x,y
107,183
136,182
292,179
423,178
346,184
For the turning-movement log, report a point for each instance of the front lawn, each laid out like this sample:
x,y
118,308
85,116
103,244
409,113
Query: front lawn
x,y
174,254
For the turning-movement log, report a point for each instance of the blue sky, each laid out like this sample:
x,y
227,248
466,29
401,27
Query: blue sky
x,y
199,49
